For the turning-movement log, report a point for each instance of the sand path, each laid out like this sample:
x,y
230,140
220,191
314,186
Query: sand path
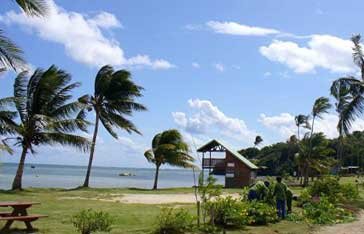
x,y
356,227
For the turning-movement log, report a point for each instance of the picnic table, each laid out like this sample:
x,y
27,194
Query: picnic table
x,y
19,213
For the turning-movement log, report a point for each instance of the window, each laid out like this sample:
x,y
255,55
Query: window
x,y
230,164
229,175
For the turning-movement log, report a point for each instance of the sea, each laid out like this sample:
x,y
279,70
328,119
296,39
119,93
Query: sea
x,y
61,176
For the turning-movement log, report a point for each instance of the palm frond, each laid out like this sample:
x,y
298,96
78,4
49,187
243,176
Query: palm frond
x,y
34,7
78,142
11,56
320,107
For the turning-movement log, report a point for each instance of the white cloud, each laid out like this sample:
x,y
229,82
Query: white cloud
x,y
220,67
322,51
234,28
284,124
209,120
196,65
266,74
82,36
142,60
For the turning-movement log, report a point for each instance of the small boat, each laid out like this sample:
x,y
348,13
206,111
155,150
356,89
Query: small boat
x,y
126,174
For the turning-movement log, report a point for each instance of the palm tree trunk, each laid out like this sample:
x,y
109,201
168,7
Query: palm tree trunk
x,y
156,177
92,151
19,173
307,169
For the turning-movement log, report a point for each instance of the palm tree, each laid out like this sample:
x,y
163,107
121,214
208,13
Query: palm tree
x,y
113,99
258,140
44,114
168,147
301,120
7,124
320,107
33,7
11,56
349,93
314,152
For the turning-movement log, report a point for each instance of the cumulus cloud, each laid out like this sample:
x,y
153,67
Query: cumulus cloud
x,y
322,51
208,119
220,67
82,36
284,124
234,28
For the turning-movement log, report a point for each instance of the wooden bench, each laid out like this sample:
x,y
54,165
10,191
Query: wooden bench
x,y
19,213
29,218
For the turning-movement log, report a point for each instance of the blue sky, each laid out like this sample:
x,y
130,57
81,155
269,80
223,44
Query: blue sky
x,y
213,69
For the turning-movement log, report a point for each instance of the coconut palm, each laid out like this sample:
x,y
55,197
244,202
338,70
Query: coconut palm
x,y
33,7
301,120
258,140
45,115
320,107
11,56
113,99
168,147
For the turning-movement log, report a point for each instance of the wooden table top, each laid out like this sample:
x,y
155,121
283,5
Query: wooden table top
x,y
12,204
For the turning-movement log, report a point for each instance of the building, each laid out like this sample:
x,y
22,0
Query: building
x,y
238,170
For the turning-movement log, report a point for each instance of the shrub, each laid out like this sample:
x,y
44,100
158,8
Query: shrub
x,y
260,213
227,212
304,198
325,212
88,221
349,191
328,186
174,221
333,190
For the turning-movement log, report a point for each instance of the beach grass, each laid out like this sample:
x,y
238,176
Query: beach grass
x,y
129,218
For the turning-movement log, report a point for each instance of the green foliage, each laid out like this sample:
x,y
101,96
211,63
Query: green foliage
x,y
89,221
260,213
331,188
304,197
325,212
227,212
174,221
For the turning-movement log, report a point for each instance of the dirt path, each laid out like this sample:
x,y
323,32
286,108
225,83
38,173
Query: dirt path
x,y
356,227
147,198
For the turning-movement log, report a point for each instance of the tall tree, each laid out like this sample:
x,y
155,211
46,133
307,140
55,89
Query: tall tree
x,y
45,114
11,56
168,147
113,99
301,120
258,140
320,107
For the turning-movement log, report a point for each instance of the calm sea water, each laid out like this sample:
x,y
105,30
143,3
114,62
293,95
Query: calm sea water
x,y
60,176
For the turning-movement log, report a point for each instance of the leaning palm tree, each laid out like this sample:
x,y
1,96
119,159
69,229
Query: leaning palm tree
x,y
45,114
343,98
320,107
301,120
11,56
168,147
113,100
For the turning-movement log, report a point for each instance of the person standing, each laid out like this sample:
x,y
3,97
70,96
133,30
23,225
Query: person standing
x,y
279,193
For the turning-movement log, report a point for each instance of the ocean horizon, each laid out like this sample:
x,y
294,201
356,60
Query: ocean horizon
x,y
72,176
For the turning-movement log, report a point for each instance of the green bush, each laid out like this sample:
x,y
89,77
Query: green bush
x,y
325,212
88,221
174,221
260,213
227,212
304,198
349,191
333,190
328,186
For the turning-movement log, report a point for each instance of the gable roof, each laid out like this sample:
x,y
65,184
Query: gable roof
x,y
213,143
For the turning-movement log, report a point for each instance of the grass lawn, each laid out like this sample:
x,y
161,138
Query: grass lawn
x,y
129,218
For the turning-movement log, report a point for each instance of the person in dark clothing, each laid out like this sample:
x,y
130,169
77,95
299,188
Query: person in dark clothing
x,y
289,197
280,190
